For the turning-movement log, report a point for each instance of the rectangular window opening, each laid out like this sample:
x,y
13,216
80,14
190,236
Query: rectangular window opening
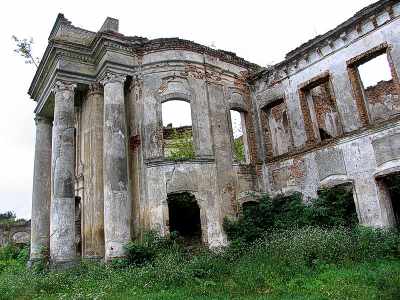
x,y
278,131
239,137
379,89
340,204
177,130
324,116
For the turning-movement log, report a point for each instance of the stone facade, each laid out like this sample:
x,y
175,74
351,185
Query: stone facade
x,y
18,233
308,124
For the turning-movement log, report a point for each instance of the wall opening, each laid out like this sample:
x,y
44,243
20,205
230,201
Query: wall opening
x,y
239,137
390,189
341,202
277,130
177,130
184,217
323,114
380,92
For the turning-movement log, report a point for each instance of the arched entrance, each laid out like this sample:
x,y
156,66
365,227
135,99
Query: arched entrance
x,y
184,217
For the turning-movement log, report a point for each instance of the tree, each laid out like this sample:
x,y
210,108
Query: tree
x,y
24,48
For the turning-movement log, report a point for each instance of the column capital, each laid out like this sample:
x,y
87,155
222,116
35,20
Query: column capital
x,y
63,86
95,88
42,120
110,77
137,81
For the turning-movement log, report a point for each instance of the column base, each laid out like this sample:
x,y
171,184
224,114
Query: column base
x,y
93,258
63,265
32,262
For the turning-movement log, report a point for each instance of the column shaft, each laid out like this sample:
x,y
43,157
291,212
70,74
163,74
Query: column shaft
x,y
93,207
117,204
62,219
41,194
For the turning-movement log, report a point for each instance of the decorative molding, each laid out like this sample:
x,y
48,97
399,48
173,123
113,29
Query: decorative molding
x,y
95,88
110,77
61,86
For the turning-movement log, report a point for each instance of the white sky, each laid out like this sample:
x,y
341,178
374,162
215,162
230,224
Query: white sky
x,y
236,121
177,113
375,70
260,31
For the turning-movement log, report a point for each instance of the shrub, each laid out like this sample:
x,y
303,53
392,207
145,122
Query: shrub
x,y
238,149
180,146
331,209
145,251
278,213
138,253
14,252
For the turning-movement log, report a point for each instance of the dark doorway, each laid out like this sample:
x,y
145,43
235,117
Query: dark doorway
x,y
392,183
184,217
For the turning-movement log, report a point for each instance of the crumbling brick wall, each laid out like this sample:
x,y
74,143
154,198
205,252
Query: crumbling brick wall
x,y
325,111
383,100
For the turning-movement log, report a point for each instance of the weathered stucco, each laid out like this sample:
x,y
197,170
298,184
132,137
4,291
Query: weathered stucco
x,y
18,233
308,124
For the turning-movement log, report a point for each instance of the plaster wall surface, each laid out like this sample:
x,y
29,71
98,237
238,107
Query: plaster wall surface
x,y
352,153
15,234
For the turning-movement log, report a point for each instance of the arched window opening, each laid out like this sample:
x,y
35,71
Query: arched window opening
x,y
239,137
184,217
177,130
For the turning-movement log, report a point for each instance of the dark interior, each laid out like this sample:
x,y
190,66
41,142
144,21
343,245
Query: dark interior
x,y
184,216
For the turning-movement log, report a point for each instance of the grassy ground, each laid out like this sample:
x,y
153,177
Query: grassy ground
x,y
309,263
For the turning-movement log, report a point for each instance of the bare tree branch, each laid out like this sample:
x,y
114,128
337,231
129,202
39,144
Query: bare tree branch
x,y
24,48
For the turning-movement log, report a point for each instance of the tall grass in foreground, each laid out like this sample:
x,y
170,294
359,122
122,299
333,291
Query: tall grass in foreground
x,y
299,263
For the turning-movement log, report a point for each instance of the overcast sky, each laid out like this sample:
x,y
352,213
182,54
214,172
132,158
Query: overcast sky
x,y
260,31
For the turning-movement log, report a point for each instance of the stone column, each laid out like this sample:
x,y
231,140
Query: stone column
x,y
117,203
62,215
41,194
93,202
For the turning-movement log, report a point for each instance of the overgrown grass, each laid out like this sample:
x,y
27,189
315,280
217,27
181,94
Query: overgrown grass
x,y
299,263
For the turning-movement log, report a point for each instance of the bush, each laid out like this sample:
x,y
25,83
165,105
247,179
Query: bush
x,y
180,146
14,252
331,209
145,251
278,213
138,253
334,207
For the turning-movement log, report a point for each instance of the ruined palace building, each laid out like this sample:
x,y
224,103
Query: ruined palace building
x,y
103,176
